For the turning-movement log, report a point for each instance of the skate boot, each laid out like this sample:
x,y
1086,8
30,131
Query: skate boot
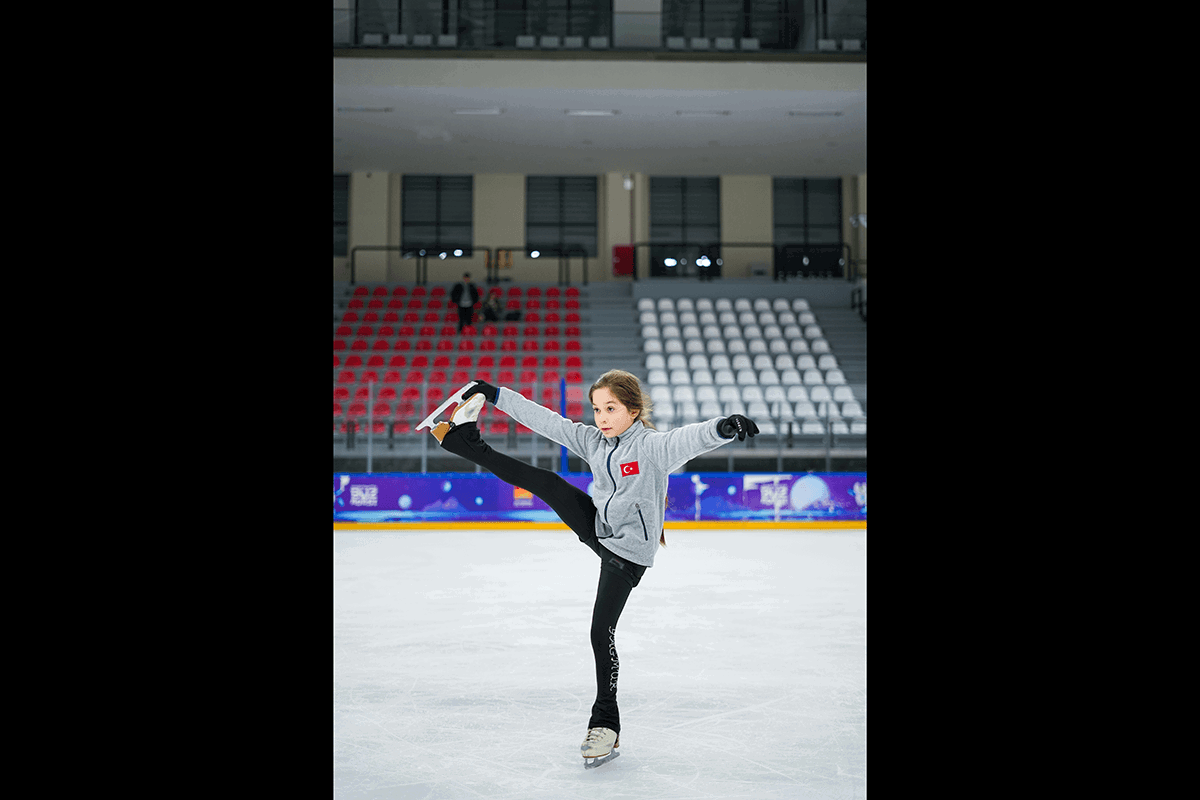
x,y
466,412
599,747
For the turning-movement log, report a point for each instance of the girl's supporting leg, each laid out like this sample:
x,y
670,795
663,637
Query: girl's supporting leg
x,y
573,506
611,594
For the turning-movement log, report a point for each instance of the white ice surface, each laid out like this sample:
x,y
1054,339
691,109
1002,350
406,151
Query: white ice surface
x,y
462,667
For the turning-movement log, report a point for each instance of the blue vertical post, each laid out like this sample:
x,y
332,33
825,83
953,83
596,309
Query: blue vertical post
x,y
562,409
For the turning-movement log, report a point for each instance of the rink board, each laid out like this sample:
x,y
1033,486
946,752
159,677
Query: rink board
x,y
808,499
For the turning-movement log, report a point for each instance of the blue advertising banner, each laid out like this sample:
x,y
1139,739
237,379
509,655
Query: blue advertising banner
x,y
694,497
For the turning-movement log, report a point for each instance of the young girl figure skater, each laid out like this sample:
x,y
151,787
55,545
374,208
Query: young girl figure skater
x,y
623,525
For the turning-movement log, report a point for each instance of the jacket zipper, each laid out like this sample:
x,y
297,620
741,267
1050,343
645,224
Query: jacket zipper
x,y
608,466
645,535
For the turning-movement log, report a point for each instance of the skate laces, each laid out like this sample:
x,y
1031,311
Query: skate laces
x,y
594,735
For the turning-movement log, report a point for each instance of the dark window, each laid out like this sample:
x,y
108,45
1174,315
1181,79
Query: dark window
x,y
436,213
808,225
560,215
685,226
341,214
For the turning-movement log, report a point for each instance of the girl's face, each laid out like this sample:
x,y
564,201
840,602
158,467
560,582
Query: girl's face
x,y
612,418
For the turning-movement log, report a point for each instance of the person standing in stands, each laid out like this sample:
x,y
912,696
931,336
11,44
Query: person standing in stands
x,y
465,296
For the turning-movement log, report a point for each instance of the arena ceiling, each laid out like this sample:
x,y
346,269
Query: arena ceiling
x,y
673,118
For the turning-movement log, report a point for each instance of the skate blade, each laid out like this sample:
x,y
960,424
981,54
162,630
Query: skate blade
x,y
592,763
451,400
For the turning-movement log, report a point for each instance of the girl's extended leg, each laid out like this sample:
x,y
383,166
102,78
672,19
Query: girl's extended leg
x,y
573,506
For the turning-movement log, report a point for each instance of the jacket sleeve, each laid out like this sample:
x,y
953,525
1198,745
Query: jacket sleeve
x,y
575,436
674,448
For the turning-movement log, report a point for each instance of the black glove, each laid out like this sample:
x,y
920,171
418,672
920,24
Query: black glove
x,y
490,393
736,423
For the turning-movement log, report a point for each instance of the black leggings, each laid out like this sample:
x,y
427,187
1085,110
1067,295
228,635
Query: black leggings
x,y
574,507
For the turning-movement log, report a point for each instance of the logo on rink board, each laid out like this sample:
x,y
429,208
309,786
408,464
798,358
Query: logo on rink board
x,y
364,495
630,469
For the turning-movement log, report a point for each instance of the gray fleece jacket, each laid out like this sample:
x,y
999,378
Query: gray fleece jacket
x,y
630,470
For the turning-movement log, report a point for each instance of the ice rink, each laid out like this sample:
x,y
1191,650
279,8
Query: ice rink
x,y
462,667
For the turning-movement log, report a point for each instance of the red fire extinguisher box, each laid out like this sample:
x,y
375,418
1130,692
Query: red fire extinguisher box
x,y
623,259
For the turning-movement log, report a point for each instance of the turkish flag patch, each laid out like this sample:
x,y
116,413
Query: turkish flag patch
x,y
630,469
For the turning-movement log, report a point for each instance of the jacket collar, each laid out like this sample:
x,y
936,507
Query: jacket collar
x,y
632,434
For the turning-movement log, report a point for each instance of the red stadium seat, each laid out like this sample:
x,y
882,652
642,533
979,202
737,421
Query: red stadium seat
x,y
484,375
400,291
533,291
380,291
550,376
387,392
432,316
336,361
398,362
339,344
497,427
344,330
376,303
445,344
553,304
337,409
359,344
530,344
572,305
420,362
341,393
437,376
368,376
411,318
486,361
391,316
419,291
424,345
415,304
572,291
449,330
575,410
403,344
361,291
441,362
505,377
350,316
381,344
508,345
552,344
370,316
466,344
392,376
460,377
528,376
463,362
354,361
375,361
514,291
487,344
533,304
355,303
532,316
574,345
553,291
530,330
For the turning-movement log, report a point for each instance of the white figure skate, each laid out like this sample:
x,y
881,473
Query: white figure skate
x,y
451,400
599,747
466,412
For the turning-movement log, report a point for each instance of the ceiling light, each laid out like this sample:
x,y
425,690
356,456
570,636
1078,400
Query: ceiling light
x,y
585,113
814,113
703,113
363,110
480,111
